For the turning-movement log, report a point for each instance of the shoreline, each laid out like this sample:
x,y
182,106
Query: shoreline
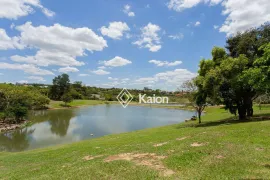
x,y
6,127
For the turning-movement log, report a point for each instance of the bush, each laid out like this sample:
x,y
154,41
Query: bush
x,y
67,98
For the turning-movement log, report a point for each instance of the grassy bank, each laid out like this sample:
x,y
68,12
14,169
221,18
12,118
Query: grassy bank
x,y
75,103
220,148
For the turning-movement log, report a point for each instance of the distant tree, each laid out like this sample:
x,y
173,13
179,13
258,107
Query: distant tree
x,y
67,98
61,85
196,98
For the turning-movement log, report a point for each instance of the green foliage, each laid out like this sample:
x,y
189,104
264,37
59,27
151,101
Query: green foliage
x,y
61,85
17,100
249,43
238,78
67,98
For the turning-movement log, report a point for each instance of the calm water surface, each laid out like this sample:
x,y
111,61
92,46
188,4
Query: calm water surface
x,y
70,125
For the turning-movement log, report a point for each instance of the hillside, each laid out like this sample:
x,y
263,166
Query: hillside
x,y
216,149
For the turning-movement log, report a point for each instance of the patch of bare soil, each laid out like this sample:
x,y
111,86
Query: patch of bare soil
x,y
196,144
160,144
220,157
88,158
259,149
150,160
181,139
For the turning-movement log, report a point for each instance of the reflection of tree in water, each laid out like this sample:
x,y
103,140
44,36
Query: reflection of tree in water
x,y
58,119
15,141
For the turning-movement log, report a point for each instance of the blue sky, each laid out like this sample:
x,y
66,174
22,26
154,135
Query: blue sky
x,y
115,43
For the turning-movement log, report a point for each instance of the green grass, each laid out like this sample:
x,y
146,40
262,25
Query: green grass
x,y
75,103
232,150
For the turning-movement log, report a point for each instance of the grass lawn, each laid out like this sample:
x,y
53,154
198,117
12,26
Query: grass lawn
x,y
219,148
75,103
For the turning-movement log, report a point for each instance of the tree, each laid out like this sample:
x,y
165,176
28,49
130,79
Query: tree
x,y
67,98
17,100
196,98
61,85
237,78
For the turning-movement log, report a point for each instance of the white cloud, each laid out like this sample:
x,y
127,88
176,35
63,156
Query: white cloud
x,y
149,38
13,9
169,78
198,23
216,26
116,62
83,75
100,72
101,67
68,69
178,36
180,5
127,10
176,77
23,82
44,58
27,68
244,14
57,44
115,30
7,42
241,15
37,78
113,79
146,80
165,63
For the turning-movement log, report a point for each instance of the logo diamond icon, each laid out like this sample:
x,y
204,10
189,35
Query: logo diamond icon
x,y
124,97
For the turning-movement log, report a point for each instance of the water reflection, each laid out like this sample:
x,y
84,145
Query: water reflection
x,y
70,125
15,141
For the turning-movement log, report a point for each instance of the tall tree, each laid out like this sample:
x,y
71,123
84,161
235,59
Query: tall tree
x,y
236,78
61,85
196,97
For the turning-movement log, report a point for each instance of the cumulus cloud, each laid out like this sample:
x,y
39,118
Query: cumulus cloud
x,y
146,80
165,63
178,36
116,62
181,5
57,45
7,42
241,15
115,30
100,72
216,26
170,78
13,9
37,78
113,79
198,23
149,38
127,10
27,68
244,14
23,82
83,75
68,69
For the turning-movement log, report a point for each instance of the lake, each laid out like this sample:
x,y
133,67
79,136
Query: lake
x,y
53,127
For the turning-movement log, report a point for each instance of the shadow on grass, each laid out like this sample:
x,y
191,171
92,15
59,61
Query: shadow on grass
x,y
65,105
227,121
